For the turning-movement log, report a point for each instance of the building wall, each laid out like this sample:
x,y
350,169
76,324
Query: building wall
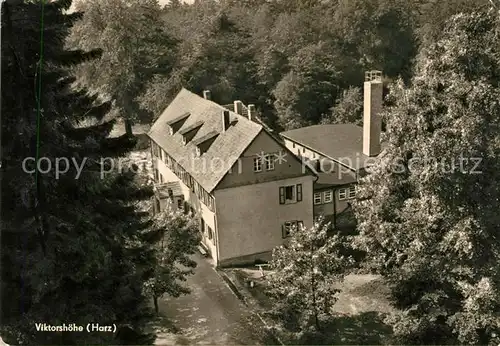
x,y
330,167
250,218
327,165
328,208
300,151
242,172
189,196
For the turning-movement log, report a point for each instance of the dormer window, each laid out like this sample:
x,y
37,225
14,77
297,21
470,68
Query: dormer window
x,y
203,143
189,132
175,124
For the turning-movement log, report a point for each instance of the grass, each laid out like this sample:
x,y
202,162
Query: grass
x,y
358,313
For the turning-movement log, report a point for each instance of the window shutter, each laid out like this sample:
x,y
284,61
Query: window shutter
x,y
282,195
299,192
283,231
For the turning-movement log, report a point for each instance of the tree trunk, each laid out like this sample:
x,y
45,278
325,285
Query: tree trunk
x,y
128,127
334,210
157,310
313,291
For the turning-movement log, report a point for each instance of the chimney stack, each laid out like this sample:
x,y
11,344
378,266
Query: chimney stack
x,y
225,120
251,112
372,125
207,94
238,107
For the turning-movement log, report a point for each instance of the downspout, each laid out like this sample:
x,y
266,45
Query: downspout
x,y
312,199
334,208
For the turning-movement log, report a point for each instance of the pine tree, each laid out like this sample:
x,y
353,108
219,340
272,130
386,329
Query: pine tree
x,y
72,245
428,211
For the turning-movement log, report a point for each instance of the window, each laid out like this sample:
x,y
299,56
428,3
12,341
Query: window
x,y
290,194
198,151
317,198
342,194
314,155
293,145
191,183
179,204
210,233
156,175
289,226
184,141
327,196
171,131
161,178
211,203
270,162
352,191
304,150
257,164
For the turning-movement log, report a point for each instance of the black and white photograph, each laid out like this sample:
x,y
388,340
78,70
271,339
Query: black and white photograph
x,y
250,172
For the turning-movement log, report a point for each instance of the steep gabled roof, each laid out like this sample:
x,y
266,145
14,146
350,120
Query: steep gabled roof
x,y
225,150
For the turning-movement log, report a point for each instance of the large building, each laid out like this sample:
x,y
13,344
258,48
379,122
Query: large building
x,y
340,154
222,165
248,187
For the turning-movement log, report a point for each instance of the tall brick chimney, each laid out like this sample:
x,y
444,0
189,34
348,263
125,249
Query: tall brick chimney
x,y
207,94
225,120
372,124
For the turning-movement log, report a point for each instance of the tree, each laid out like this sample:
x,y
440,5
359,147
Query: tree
x,y
380,34
71,248
348,109
176,236
135,47
305,272
214,54
428,210
306,93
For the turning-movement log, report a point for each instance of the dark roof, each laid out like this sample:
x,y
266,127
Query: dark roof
x,y
162,189
334,179
225,149
178,118
191,128
342,142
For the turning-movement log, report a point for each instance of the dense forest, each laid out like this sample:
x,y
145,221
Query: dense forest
x,y
81,249
300,61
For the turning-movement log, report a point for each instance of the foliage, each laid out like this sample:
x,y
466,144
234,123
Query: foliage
x,y
305,273
348,109
135,46
175,237
308,90
71,247
428,215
